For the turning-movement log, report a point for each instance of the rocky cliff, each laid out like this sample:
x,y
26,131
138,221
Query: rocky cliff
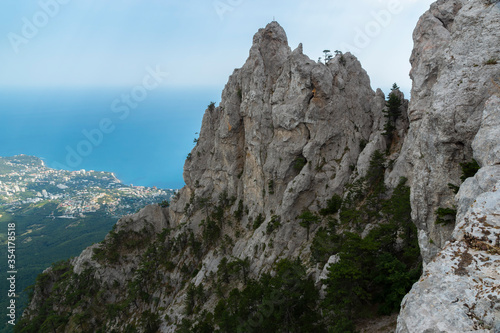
x,y
454,73
297,182
454,113
290,138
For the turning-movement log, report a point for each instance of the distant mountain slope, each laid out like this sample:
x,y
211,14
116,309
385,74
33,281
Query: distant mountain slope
x,y
58,213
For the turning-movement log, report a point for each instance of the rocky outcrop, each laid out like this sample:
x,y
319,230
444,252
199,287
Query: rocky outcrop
x,y
279,108
455,114
288,134
458,291
454,73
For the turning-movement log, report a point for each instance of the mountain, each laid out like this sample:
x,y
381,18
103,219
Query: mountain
x,y
311,201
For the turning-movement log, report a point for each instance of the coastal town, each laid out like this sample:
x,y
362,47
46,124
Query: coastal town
x,y
26,180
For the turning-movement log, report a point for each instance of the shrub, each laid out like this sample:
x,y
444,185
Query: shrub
x,y
454,188
299,163
238,214
211,106
274,224
446,215
270,186
258,221
491,61
332,205
469,169
362,144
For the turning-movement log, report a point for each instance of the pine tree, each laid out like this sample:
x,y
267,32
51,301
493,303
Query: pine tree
x,y
308,218
392,111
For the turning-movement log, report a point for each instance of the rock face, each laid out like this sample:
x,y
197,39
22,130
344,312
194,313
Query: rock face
x,y
288,134
454,74
279,108
455,115
458,291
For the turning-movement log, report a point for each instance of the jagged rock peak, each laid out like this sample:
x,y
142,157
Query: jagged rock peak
x,y
273,32
271,45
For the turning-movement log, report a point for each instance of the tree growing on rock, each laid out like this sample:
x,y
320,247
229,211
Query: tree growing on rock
x,y
307,219
392,111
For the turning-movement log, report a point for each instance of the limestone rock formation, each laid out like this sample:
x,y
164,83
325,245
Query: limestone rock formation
x,y
285,137
454,74
458,291
288,134
282,107
455,116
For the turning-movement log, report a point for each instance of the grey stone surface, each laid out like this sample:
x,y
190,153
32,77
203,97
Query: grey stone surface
x,y
486,144
279,107
452,85
459,289
455,115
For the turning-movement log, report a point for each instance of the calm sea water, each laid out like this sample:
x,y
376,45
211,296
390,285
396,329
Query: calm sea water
x,y
147,147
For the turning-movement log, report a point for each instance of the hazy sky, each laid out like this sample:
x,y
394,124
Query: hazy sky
x,y
199,43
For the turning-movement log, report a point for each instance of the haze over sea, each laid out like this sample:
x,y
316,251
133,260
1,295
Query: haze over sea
x,y
146,148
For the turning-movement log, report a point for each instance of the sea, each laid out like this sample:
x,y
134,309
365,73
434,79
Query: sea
x,y
144,142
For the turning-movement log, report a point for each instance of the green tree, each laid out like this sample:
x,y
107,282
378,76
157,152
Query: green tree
x,y
326,242
286,301
190,301
332,205
240,265
211,231
328,55
258,221
375,271
150,322
223,270
307,219
392,111
347,282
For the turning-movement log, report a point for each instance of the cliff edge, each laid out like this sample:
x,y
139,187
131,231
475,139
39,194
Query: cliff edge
x,y
454,114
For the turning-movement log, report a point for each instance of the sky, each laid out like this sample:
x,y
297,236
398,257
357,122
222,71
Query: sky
x,y
113,43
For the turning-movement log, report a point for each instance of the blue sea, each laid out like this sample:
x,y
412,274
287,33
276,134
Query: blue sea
x,y
78,129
